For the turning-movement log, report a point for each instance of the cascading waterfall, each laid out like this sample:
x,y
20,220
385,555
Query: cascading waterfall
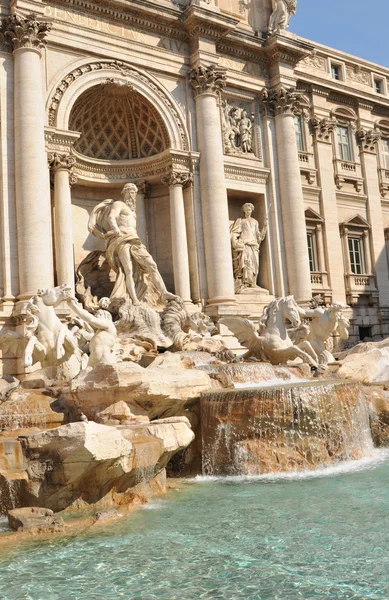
x,y
12,473
289,427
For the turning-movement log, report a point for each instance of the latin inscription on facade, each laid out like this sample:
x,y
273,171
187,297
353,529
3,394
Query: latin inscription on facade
x,y
118,30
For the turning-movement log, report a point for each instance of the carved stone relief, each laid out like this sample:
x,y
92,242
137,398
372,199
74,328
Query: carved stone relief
x,y
238,129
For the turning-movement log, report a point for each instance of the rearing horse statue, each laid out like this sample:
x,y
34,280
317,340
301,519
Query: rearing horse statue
x,y
47,339
273,343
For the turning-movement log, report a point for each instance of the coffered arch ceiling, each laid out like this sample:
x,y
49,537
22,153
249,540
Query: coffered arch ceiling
x,y
116,122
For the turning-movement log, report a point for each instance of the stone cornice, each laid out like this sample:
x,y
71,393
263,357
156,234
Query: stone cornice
x,y
146,16
26,31
200,22
286,48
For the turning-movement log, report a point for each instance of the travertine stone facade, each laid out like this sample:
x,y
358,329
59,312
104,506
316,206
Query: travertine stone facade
x,y
204,109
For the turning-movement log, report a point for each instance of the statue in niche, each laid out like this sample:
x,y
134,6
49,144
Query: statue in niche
x,y
245,132
246,239
282,11
237,129
138,278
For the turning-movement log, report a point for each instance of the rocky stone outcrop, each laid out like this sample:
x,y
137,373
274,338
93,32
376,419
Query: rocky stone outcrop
x,y
370,366
31,408
379,415
86,463
160,390
121,413
35,520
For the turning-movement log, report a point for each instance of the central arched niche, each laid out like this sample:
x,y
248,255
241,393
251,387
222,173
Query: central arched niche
x,y
117,123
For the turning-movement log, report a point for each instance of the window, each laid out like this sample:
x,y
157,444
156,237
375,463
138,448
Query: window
x,y
298,126
336,72
312,252
364,332
385,154
379,86
343,141
355,252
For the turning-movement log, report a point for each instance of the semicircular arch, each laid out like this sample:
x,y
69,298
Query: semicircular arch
x,y
76,81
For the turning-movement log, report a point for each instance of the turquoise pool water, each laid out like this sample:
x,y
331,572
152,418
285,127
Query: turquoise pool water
x,y
322,536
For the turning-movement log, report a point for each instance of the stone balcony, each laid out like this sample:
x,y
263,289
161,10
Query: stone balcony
x,y
348,171
307,166
320,285
360,285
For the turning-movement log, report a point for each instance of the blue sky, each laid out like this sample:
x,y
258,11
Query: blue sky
x,y
359,27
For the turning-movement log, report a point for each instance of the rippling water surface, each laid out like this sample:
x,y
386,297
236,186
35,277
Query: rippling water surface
x,y
318,536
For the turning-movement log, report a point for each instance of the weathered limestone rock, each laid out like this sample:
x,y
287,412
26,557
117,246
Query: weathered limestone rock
x,y
121,413
161,389
175,433
8,383
31,408
35,520
367,367
379,415
83,464
79,460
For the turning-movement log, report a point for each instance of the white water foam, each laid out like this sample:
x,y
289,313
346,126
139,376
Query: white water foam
x,y
276,382
375,459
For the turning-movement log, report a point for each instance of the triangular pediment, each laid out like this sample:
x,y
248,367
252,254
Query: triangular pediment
x,y
356,221
312,215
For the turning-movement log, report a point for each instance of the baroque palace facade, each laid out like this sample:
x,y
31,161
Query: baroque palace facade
x,y
196,103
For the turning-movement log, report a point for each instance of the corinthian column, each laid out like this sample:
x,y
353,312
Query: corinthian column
x,y
61,165
33,211
176,182
283,104
207,84
323,130
368,141
141,219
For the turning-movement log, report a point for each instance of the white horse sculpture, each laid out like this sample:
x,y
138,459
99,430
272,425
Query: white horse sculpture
x,y
47,339
273,343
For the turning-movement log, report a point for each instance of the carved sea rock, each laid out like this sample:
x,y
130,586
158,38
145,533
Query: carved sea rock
x,y
161,389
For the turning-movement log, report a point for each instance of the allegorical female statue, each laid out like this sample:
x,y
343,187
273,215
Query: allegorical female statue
x,y
246,239
282,10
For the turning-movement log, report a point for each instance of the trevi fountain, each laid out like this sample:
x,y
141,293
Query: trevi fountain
x,y
153,446
134,386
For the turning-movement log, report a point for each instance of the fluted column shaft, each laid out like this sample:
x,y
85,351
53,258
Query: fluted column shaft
x,y
207,84
31,172
63,223
176,181
283,104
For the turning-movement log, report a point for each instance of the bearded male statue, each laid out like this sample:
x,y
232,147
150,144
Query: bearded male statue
x,y
138,278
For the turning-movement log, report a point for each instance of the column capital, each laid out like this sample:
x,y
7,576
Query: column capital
x,y
207,80
143,187
61,161
26,32
281,101
368,139
178,178
323,128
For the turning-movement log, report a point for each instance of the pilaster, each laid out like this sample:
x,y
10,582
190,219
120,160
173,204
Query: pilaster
x,y
368,141
322,129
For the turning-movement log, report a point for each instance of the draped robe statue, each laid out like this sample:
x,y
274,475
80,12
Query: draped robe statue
x,y
246,238
138,278
282,10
